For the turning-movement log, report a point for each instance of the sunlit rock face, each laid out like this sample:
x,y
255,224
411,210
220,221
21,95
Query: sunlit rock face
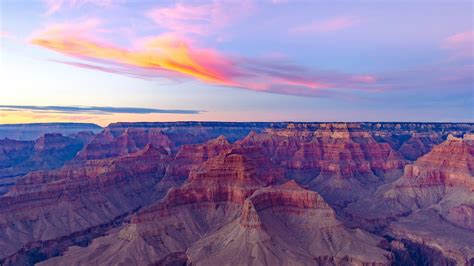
x,y
240,193
341,161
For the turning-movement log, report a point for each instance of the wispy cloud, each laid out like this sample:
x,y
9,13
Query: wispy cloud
x,y
333,24
164,52
95,110
171,55
201,19
53,6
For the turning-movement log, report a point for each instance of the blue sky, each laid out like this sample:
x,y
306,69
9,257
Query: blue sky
x,y
237,61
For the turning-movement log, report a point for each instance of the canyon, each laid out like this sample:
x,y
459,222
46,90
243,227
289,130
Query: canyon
x,y
225,193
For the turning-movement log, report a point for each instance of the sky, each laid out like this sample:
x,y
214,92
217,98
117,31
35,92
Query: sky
x,y
104,61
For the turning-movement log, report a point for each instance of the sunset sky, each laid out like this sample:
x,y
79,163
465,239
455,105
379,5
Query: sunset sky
x,y
104,61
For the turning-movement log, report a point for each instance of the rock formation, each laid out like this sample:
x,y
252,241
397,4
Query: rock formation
x,y
46,205
208,193
50,151
432,203
342,162
234,210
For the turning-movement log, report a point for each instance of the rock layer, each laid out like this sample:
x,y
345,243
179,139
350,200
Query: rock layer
x,y
229,213
431,203
49,204
234,194
50,151
343,162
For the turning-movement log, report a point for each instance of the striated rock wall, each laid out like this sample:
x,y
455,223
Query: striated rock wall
x,y
227,192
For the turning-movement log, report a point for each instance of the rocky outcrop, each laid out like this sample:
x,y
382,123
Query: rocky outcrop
x,y
50,151
431,203
341,161
229,213
14,152
45,205
241,193
188,156
420,144
114,142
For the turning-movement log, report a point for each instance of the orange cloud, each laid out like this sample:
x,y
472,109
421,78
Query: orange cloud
x,y
334,24
172,55
165,52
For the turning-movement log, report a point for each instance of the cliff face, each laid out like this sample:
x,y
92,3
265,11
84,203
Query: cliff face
x,y
234,209
419,144
114,142
342,162
432,202
46,205
50,151
239,193
189,155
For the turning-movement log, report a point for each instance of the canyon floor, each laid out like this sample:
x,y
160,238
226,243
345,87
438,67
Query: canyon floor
x,y
221,193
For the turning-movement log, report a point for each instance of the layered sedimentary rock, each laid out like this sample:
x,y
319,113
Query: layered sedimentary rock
x,y
229,199
114,142
186,133
432,203
50,151
419,144
234,210
188,156
413,140
13,152
341,161
46,205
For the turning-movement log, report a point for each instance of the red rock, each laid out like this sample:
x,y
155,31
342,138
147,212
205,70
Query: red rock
x,y
121,141
189,155
235,205
448,164
420,144
342,162
224,211
432,203
45,205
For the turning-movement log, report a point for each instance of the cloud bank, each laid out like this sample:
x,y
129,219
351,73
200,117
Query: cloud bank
x,y
96,109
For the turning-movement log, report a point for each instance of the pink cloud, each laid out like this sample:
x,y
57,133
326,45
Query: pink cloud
x,y
160,53
173,56
334,24
461,44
